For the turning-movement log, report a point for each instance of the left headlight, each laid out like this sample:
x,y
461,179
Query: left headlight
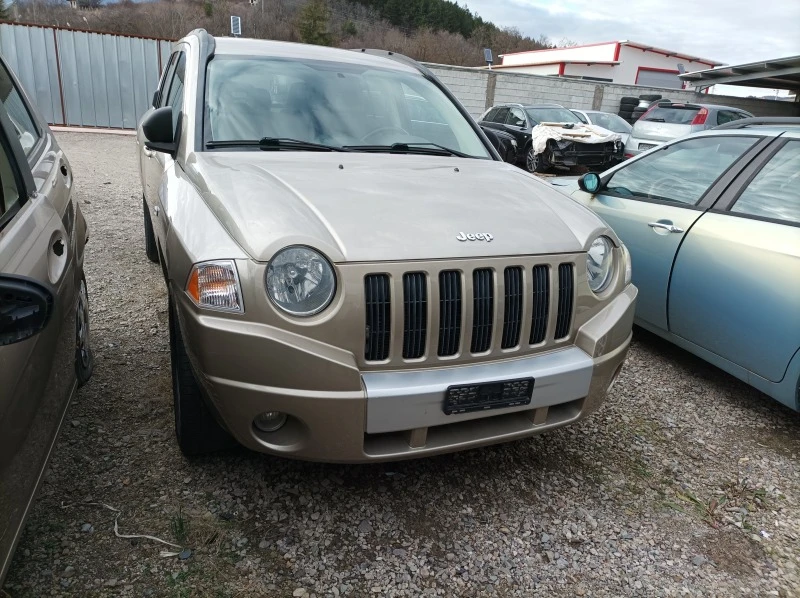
x,y
600,263
216,285
300,281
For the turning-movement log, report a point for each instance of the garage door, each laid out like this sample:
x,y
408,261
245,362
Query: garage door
x,y
659,79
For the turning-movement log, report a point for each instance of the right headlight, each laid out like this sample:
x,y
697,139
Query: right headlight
x,y
300,281
600,263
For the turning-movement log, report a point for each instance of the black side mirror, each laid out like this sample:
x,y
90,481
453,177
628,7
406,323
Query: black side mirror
x,y
25,309
158,132
590,182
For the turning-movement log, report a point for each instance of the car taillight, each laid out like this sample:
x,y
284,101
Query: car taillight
x,y
700,117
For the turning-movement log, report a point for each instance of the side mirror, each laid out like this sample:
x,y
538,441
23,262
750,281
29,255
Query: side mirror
x,y
158,132
590,182
25,309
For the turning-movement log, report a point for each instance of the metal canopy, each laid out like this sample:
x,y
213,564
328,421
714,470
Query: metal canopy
x,y
781,73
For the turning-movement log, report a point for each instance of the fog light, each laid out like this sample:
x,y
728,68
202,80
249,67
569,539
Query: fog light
x,y
270,421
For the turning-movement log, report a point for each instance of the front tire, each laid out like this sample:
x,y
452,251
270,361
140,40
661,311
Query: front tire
x,y
196,428
150,248
534,162
84,357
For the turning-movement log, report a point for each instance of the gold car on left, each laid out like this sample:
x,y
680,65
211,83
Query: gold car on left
x,y
45,352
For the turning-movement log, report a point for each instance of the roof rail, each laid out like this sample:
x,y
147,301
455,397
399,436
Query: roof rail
x,y
396,57
743,123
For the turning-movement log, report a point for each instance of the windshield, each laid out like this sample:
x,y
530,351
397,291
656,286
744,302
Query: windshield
x,y
332,103
612,122
551,115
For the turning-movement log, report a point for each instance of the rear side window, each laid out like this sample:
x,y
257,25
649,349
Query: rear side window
x,y
726,116
672,115
774,193
489,117
21,119
680,173
500,115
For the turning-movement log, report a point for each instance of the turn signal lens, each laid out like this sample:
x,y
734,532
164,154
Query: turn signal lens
x,y
215,285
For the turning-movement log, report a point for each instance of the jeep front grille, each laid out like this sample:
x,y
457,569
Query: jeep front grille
x,y
441,317
377,300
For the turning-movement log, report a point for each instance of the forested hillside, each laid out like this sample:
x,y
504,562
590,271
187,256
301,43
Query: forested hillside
x,y
429,30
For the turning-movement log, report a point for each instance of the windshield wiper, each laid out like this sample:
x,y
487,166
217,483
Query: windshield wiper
x,y
277,143
413,147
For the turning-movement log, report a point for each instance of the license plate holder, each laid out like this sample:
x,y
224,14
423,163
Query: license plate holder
x,y
467,398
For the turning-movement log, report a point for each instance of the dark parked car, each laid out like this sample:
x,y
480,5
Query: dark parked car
x,y
519,120
504,143
44,325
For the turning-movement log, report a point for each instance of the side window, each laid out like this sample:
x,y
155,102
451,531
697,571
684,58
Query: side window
x,y
489,117
501,115
726,116
21,119
175,95
680,173
9,187
775,191
164,88
515,118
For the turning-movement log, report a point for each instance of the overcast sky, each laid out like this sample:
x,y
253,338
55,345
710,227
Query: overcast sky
x,y
729,31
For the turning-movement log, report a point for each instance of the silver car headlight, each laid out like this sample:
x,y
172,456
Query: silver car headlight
x,y
600,263
300,281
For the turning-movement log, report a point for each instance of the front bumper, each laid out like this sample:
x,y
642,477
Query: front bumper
x,y
583,154
343,415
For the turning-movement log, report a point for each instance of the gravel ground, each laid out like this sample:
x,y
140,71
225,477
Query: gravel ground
x,y
685,483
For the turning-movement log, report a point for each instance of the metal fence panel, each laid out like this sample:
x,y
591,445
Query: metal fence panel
x,y
85,78
27,51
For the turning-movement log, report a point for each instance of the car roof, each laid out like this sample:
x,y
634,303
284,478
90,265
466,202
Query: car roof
x,y
239,46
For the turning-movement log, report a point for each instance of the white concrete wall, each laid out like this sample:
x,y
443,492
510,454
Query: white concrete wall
x,y
473,88
599,52
606,71
538,69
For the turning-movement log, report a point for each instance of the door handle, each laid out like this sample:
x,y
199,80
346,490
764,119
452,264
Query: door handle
x,y
670,228
157,210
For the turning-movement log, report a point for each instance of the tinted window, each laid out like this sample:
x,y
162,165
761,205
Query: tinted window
x,y
726,116
672,115
8,186
175,97
332,103
551,115
516,118
775,191
680,173
612,122
489,116
500,116
21,119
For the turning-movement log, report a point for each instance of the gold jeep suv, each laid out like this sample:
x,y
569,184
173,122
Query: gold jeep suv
x,y
350,283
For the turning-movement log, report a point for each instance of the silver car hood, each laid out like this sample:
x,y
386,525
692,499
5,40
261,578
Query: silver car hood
x,y
360,207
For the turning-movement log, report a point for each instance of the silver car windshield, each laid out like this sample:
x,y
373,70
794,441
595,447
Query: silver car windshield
x,y
332,104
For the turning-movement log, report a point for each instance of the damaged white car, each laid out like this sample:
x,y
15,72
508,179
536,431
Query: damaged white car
x,y
549,135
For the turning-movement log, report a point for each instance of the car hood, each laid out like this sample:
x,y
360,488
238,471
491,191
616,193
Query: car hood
x,y
381,207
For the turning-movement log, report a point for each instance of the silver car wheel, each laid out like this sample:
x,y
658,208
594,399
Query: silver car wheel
x,y
531,160
82,327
